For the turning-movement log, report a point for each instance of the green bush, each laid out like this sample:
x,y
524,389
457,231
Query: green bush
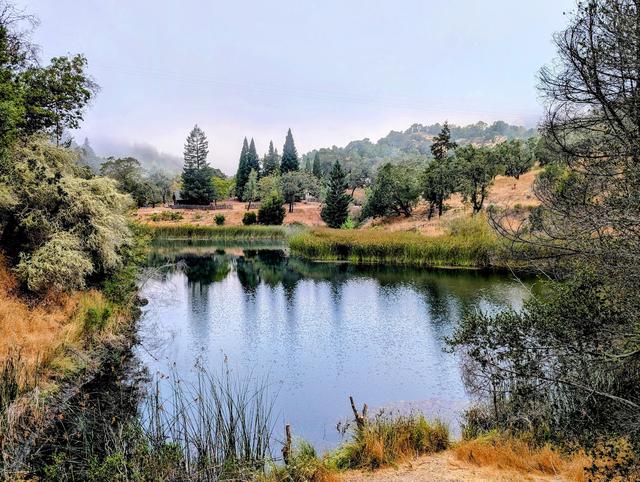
x,y
249,218
167,216
219,219
272,210
349,224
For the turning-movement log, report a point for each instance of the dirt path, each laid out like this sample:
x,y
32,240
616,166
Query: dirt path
x,y
443,467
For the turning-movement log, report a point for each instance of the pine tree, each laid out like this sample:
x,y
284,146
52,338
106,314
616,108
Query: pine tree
x,y
336,206
289,155
197,182
317,168
242,175
442,143
253,161
271,162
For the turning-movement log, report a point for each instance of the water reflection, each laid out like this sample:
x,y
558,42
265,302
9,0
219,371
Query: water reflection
x,y
320,331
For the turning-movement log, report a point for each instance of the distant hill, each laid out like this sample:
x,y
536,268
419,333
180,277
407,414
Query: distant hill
x,y
414,144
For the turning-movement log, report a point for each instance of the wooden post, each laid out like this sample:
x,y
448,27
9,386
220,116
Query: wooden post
x,y
286,448
361,418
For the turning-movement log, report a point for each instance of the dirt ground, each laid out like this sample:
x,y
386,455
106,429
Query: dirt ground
x,y
443,467
506,192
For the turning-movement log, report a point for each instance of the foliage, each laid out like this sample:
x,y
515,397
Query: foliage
x,y
166,216
289,160
268,185
271,210
336,204
475,246
476,169
242,174
224,188
395,191
387,439
316,168
271,163
253,161
197,175
295,184
189,231
516,156
250,191
219,219
249,218
442,143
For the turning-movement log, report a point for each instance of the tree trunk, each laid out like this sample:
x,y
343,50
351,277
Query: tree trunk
x,y
291,207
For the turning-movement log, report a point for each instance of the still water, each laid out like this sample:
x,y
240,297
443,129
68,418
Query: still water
x,y
318,331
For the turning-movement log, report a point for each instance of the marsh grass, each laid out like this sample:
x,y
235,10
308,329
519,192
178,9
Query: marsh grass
x,y
387,439
470,243
189,231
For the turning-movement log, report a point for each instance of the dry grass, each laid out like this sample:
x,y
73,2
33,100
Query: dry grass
x,y
510,453
42,332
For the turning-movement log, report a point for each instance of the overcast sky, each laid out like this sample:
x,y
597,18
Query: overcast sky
x,y
332,70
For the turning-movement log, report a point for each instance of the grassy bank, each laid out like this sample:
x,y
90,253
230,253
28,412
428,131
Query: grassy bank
x,y
470,243
191,231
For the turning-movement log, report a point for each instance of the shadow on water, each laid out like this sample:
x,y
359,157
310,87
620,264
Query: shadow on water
x,y
320,331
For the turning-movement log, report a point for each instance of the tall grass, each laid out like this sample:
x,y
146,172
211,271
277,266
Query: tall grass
x,y
190,231
469,243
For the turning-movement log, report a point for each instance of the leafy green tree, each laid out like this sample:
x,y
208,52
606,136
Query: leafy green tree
x,y
272,211
289,155
477,168
271,164
268,185
295,184
438,184
129,175
336,204
242,174
162,184
359,176
250,191
442,143
516,156
55,96
197,183
395,191
317,167
224,188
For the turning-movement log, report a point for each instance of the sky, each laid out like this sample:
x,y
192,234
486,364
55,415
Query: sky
x,y
331,70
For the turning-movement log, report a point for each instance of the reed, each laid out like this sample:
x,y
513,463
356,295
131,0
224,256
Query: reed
x,y
190,231
469,243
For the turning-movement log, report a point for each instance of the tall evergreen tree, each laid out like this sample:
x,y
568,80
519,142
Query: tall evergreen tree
x,y
197,182
317,168
289,155
336,205
253,161
271,162
442,144
242,175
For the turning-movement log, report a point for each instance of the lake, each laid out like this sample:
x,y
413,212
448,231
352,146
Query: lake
x,y
318,331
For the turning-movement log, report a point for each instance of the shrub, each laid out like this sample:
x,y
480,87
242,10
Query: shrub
x,y
167,216
249,218
60,264
348,224
272,210
219,219
304,466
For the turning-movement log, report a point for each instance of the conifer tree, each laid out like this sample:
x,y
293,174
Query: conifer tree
x,y
317,168
242,175
253,161
289,155
442,144
197,182
336,206
271,162
250,191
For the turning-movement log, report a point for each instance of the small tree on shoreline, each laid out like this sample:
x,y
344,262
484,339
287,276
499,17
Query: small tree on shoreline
x,y
336,208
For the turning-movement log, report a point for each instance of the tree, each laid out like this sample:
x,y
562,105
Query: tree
x,y
516,156
242,175
55,96
271,164
197,183
250,191
271,211
438,183
317,167
253,161
162,183
396,191
442,143
129,175
267,185
476,168
336,205
289,155
359,176
294,185
224,188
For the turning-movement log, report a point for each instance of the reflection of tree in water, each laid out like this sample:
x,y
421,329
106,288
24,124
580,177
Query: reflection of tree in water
x,y
269,266
205,269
